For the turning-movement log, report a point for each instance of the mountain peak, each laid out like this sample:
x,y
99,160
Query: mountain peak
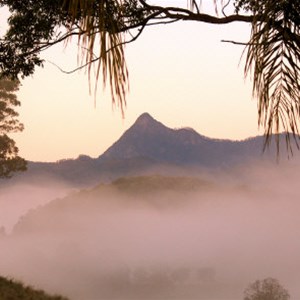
x,y
145,119
148,138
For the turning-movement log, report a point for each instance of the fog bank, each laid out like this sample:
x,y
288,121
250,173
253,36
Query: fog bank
x,y
206,243
18,198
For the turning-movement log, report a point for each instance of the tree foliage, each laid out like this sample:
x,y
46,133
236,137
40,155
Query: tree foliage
x,y
266,289
10,162
10,289
103,27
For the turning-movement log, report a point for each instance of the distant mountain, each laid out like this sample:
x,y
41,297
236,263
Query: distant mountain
x,y
146,145
150,138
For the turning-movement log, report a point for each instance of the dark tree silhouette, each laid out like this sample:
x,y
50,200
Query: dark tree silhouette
x,y
10,162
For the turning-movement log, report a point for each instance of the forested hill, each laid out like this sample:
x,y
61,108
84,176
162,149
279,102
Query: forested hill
x,y
12,290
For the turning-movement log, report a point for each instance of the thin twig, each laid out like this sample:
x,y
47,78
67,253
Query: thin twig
x,y
236,43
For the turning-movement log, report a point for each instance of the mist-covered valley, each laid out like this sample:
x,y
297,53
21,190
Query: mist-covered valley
x,y
157,236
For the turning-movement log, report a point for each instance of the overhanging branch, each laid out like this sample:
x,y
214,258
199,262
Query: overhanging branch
x,y
188,15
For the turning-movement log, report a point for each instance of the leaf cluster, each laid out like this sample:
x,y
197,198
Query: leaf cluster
x,y
8,100
31,26
107,15
266,289
9,160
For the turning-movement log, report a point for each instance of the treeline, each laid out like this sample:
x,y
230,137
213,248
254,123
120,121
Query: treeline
x,y
10,289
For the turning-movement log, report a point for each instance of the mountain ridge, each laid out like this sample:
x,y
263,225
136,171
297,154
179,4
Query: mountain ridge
x,y
150,138
149,144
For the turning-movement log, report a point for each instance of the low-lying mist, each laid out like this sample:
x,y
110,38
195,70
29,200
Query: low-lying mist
x,y
16,199
180,239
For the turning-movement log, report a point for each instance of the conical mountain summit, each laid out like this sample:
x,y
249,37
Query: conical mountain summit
x,y
150,138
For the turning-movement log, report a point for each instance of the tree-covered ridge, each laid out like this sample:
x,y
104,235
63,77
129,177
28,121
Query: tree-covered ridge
x,y
12,290
157,184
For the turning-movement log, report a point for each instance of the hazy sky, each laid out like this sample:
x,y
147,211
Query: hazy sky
x,y
182,74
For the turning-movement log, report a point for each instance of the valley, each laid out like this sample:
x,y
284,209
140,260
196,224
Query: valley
x,y
151,223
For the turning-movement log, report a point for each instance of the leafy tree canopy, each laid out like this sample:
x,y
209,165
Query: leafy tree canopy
x,y
272,50
10,162
266,289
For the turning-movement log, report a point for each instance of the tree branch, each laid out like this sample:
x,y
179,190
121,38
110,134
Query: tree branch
x,y
188,15
235,43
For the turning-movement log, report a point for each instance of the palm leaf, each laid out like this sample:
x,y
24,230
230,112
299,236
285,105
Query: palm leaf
x,y
273,61
102,42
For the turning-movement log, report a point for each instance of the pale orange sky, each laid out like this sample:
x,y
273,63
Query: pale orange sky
x,y
182,74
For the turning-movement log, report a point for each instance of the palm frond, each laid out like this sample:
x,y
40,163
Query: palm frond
x,y
100,37
273,57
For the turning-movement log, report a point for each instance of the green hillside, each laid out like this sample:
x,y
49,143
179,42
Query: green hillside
x,y
157,183
12,290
